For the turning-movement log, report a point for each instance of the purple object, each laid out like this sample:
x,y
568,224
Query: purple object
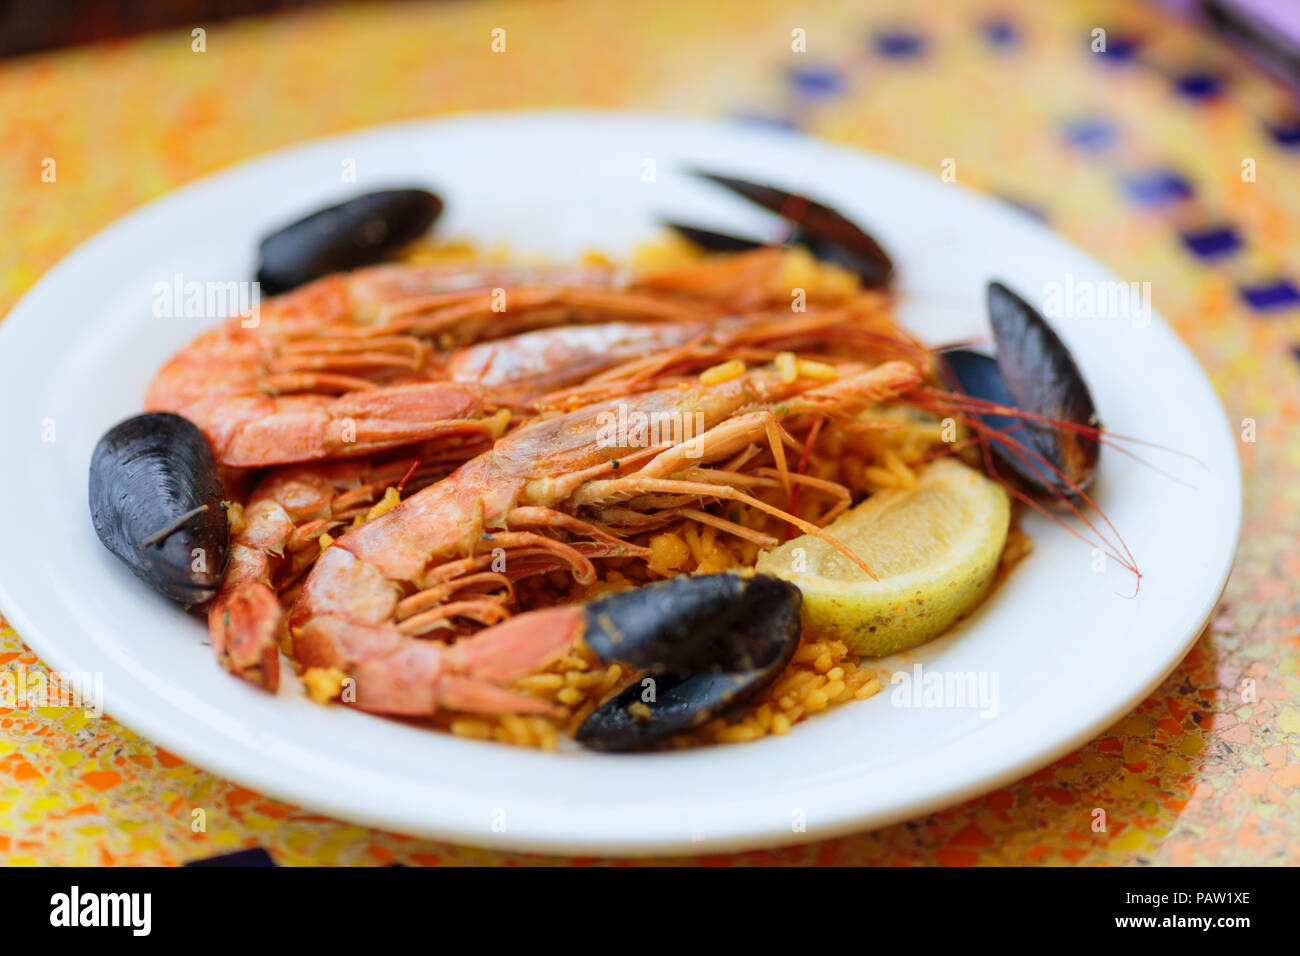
x,y
899,44
1157,187
1091,134
1199,85
817,81
1121,48
1212,243
1001,33
1286,134
1279,294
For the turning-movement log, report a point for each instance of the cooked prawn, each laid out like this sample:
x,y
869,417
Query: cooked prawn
x,y
243,382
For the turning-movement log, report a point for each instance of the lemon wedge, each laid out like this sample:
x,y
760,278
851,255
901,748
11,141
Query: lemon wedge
x,y
934,548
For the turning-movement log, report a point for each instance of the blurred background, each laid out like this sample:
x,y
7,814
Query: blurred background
x,y
27,27
1267,30
1161,137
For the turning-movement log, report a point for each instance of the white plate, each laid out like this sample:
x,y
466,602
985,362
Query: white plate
x,y
1071,649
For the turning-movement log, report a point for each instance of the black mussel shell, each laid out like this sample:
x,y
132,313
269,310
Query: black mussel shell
x,y
1041,375
359,232
858,253
679,704
147,475
708,642
977,375
711,241
822,229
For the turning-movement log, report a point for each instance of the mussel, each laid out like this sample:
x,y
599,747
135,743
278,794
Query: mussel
x,y
359,232
819,228
156,502
1033,372
707,643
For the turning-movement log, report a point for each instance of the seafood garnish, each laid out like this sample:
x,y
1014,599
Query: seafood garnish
x,y
1033,373
156,503
708,642
359,232
1042,377
712,240
819,228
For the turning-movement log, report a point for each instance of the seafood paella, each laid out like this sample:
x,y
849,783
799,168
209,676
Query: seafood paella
x,y
687,499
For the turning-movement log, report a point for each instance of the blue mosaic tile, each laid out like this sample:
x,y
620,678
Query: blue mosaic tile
x,y
899,44
1212,243
254,857
1286,133
1120,48
1156,187
1001,33
1265,297
1199,85
818,81
1090,134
